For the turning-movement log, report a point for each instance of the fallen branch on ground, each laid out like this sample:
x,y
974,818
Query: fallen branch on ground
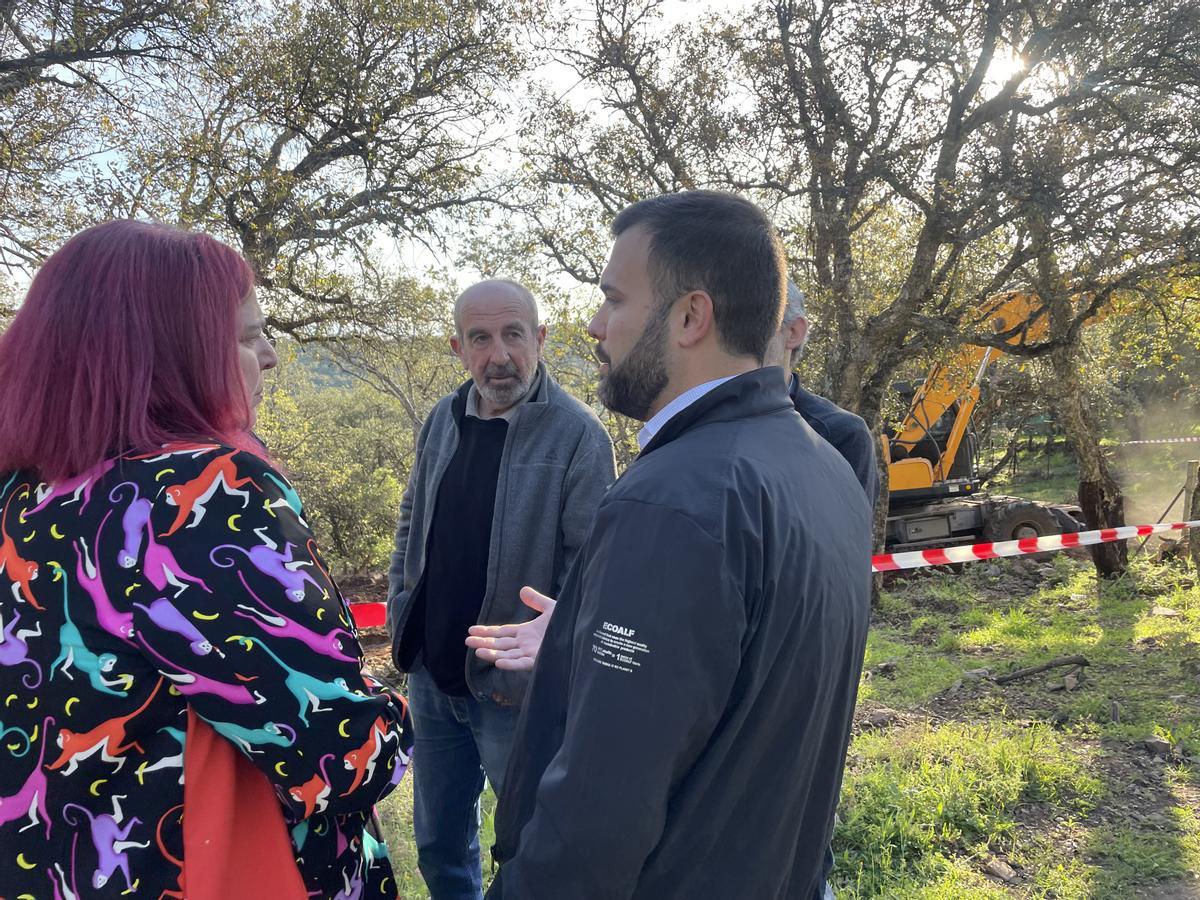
x,y
1033,670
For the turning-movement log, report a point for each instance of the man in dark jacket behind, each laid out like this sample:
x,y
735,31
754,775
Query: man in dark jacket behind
x,y
686,726
846,432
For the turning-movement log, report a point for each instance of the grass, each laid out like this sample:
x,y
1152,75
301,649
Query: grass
x,y
920,801
1150,477
395,813
1036,476
1056,782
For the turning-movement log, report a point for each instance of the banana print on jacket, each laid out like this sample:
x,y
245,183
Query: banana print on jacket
x,y
185,577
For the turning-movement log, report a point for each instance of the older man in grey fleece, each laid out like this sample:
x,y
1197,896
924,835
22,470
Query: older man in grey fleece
x,y
508,473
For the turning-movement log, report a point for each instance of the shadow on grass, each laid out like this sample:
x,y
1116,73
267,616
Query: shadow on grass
x,y
1151,832
1138,831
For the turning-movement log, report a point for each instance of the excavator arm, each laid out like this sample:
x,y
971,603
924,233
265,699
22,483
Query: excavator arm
x,y
954,386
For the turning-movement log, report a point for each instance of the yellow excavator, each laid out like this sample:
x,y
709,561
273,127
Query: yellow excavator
x,y
931,453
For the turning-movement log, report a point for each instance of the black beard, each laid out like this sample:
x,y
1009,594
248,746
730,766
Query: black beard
x,y
633,386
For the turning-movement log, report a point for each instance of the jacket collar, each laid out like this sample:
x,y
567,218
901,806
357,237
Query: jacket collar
x,y
796,390
751,394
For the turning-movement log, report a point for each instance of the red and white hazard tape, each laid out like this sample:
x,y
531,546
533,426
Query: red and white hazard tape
x,y
367,615
1178,440
914,559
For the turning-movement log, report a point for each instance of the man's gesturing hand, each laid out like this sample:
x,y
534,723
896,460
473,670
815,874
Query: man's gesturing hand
x,y
514,646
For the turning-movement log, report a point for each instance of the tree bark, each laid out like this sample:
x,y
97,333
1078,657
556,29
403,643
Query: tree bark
x,y
1191,513
1100,495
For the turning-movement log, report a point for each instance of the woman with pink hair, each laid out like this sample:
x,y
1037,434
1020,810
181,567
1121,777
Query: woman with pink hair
x,y
172,649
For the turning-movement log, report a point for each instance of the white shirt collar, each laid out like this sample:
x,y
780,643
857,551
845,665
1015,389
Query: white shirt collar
x,y
672,409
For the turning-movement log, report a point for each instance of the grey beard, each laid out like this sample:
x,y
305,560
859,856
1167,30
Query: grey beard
x,y
504,397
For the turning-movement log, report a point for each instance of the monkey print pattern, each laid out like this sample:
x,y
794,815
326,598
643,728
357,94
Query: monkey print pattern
x,y
184,577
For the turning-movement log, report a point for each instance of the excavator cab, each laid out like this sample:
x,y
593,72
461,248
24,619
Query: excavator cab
x,y
941,462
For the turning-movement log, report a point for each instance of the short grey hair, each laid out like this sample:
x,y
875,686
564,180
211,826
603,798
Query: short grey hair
x,y
521,291
794,308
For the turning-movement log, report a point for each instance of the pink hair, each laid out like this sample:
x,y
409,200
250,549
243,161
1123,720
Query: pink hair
x,y
126,341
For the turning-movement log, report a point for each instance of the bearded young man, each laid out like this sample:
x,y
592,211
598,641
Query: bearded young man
x,y
686,728
508,472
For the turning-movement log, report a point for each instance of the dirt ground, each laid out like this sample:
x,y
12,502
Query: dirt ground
x,y
376,645
377,650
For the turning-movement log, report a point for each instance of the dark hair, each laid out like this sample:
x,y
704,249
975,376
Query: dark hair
x,y
721,244
127,340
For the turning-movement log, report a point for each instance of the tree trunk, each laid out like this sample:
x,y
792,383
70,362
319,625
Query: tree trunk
x,y
1191,512
1100,496
1010,454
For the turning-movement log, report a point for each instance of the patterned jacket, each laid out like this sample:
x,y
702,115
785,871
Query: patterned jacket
x,y
187,577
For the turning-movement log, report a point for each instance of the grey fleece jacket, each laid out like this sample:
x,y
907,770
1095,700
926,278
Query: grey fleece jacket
x,y
556,465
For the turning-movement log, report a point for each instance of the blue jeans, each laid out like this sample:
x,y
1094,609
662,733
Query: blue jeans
x,y
458,741
824,890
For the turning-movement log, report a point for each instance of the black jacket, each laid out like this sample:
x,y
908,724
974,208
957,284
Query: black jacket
x,y
848,434
687,722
